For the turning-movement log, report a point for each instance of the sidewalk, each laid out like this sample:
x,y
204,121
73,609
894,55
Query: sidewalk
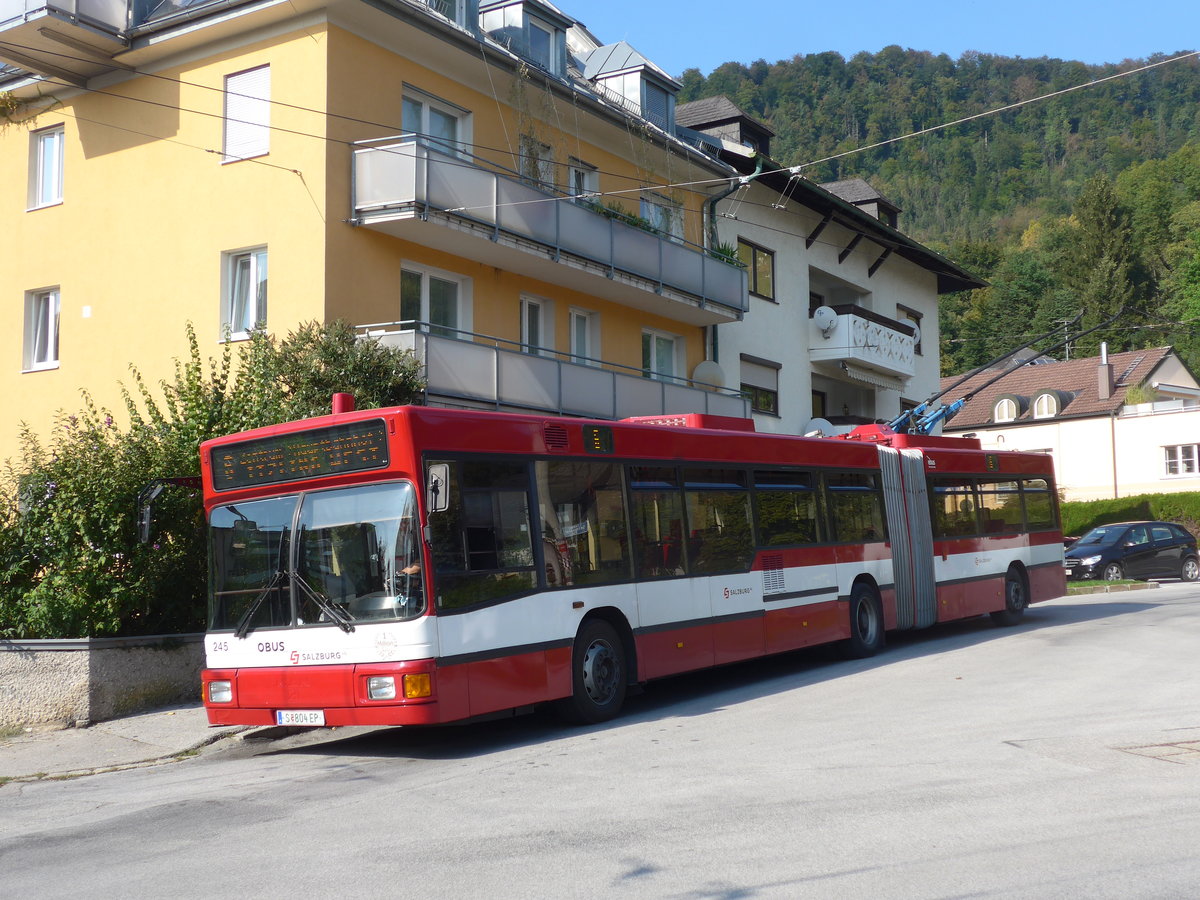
x,y
106,746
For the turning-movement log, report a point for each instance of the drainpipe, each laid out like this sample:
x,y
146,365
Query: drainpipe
x,y
712,233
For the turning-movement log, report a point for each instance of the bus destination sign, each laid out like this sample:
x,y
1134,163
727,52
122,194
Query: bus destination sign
x,y
356,447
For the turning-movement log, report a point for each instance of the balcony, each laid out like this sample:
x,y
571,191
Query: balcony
x,y
477,371
71,40
864,345
459,205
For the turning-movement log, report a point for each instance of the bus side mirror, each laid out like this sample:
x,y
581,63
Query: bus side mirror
x,y
146,510
437,490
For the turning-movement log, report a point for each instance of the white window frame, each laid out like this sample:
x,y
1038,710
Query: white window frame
x,y
583,179
551,61
537,325
585,351
43,313
676,344
1005,410
234,308
463,310
664,214
1045,406
247,114
1183,459
47,154
459,145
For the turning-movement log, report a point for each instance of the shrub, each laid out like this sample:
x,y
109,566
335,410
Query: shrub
x,y
70,561
1080,515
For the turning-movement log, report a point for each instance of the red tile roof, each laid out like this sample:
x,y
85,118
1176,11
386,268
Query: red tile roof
x,y
1076,382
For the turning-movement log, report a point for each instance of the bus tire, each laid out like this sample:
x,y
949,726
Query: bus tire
x,y
1016,598
600,675
866,623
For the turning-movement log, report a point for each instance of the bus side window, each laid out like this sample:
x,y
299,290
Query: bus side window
x,y
657,521
1038,496
584,532
718,520
787,507
482,543
856,507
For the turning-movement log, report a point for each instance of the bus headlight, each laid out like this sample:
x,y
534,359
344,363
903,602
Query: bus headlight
x,y
381,687
417,685
220,692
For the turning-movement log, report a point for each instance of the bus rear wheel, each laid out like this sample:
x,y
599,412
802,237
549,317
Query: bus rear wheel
x,y
866,623
600,676
1016,598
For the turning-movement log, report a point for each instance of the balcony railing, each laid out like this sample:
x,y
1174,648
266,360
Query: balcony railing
x,y
407,180
864,337
481,371
84,37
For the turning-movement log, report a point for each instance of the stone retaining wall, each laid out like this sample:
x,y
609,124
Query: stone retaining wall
x,y
92,679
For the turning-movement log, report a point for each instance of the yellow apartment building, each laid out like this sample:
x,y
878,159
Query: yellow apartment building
x,y
442,174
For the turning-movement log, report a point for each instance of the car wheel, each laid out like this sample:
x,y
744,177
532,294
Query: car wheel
x,y
1113,572
1190,570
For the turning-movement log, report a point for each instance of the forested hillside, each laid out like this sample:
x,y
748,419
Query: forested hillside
x,y
1086,201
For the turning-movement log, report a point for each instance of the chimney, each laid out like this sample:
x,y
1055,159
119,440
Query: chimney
x,y
1104,375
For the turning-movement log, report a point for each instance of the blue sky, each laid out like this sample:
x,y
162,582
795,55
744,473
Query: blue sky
x,y
680,34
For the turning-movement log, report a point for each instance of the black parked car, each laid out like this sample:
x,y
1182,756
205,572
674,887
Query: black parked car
x,y
1134,550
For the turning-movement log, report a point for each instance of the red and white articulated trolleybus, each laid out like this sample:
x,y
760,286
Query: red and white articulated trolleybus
x,y
417,565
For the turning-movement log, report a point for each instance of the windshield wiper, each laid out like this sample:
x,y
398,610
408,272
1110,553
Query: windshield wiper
x,y
277,581
343,619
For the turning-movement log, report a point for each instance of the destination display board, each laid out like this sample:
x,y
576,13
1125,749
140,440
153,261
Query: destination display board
x,y
354,447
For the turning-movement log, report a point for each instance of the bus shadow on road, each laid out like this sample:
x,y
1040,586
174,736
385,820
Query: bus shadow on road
x,y
698,693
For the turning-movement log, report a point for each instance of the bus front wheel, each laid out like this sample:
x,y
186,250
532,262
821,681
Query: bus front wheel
x,y
866,623
599,673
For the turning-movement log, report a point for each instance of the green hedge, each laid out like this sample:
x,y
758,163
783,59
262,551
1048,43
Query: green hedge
x,y
1078,516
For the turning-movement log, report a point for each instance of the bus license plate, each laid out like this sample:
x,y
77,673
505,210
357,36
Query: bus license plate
x,y
299,717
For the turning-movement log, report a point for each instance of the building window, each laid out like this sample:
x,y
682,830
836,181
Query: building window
x,y
245,306
665,215
46,167
247,114
1005,410
542,46
660,353
438,298
760,384
583,180
913,318
537,326
41,330
815,302
656,106
537,162
819,401
1182,459
443,125
760,268
585,337
1045,406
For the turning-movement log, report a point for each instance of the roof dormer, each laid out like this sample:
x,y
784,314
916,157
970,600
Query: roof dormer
x,y
627,78
533,30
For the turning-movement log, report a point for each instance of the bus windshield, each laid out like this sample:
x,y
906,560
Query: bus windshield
x,y
324,558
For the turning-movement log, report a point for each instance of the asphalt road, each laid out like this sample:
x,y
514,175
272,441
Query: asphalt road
x,y
1057,759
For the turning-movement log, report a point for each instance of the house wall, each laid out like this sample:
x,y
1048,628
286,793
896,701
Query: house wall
x,y
779,331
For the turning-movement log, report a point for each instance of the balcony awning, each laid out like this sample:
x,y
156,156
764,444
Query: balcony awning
x,y
874,379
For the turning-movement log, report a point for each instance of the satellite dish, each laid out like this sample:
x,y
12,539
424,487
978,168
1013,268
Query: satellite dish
x,y
826,320
818,427
916,334
709,372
